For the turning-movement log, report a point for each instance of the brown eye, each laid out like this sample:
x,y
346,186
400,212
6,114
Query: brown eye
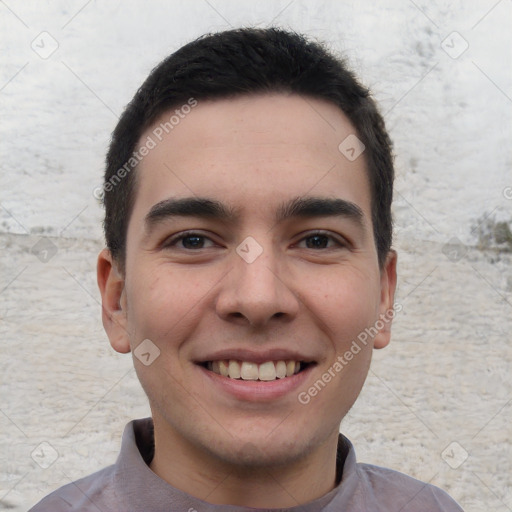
x,y
193,242
321,241
317,242
189,241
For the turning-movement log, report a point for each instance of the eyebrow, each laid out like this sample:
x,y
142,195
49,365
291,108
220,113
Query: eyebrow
x,y
320,207
211,209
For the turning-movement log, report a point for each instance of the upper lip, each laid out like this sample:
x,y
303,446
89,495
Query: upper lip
x,y
258,357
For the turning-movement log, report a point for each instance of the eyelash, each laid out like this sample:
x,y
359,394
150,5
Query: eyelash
x,y
173,241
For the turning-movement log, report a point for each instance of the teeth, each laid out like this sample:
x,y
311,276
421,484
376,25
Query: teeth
x,y
234,369
267,371
224,368
246,370
281,369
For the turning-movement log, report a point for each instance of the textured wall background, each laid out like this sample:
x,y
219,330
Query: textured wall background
x,y
437,403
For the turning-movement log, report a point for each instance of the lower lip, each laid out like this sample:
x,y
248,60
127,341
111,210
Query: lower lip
x,y
256,390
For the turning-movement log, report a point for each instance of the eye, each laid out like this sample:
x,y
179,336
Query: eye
x,y
189,241
320,240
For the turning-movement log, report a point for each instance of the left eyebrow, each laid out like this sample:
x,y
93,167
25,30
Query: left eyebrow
x,y
320,207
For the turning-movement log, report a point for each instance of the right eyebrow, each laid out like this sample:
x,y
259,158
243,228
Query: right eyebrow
x,y
188,207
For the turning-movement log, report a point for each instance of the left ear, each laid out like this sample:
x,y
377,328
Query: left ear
x,y
387,297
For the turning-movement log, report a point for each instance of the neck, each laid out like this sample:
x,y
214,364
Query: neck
x,y
191,469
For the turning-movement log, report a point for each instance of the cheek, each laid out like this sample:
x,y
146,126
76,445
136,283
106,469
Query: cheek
x,y
164,307
168,304
161,302
347,302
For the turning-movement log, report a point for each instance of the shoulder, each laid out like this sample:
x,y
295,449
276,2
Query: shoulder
x,y
91,493
385,489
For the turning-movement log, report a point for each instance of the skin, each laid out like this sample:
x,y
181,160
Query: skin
x,y
252,154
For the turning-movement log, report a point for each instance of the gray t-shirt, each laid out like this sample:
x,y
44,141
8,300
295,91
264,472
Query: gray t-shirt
x,y
130,485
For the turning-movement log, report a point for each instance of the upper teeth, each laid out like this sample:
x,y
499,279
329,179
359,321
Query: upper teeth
x,y
245,370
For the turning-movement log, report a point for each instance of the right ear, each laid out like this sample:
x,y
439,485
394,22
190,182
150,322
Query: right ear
x,y
113,301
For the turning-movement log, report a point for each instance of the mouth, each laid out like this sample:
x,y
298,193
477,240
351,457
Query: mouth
x,y
267,371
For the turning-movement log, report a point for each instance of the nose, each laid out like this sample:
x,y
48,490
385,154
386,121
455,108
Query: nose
x,y
257,292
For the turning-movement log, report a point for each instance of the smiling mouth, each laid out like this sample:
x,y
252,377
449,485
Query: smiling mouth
x,y
249,371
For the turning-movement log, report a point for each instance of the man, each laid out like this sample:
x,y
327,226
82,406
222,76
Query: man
x,y
249,270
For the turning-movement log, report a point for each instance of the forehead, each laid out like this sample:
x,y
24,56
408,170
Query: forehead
x,y
250,152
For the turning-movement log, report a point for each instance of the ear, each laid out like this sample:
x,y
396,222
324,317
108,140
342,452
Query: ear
x,y
113,302
387,297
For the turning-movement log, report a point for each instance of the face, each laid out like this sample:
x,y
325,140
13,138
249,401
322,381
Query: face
x,y
252,269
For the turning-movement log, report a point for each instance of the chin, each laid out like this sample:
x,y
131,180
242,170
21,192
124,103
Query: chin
x,y
259,449
259,453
